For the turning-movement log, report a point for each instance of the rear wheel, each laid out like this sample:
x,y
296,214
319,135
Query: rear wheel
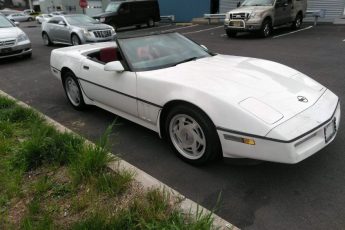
x,y
30,19
192,135
73,91
266,28
150,23
75,40
46,39
298,22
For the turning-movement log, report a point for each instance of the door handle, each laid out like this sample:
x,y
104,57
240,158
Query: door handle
x,y
86,67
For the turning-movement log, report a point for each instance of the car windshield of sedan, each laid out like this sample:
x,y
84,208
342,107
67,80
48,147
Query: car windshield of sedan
x,y
160,51
258,3
4,23
80,20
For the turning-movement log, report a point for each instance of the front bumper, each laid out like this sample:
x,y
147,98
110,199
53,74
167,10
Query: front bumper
x,y
20,49
242,25
92,39
306,139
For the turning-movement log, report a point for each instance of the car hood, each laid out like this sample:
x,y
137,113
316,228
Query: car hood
x,y
237,79
250,9
94,26
11,32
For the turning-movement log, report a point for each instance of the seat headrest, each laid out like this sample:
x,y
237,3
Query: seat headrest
x,y
108,54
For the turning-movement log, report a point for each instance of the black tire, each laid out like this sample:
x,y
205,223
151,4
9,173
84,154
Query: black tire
x,y
68,79
231,33
205,131
75,40
150,23
297,23
46,39
138,26
266,28
30,19
29,55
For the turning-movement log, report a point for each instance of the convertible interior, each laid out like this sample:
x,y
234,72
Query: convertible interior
x,y
105,55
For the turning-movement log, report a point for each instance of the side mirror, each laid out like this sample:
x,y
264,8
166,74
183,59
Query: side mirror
x,y
238,4
61,23
16,23
114,66
204,47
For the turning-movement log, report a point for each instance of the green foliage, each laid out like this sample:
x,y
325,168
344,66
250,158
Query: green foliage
x,y
46,145
93,160
114,183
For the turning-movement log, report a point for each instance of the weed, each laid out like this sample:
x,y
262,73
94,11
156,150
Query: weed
x,y
114,183
93,160
6,103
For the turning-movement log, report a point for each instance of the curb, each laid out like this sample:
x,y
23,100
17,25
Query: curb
x,y
146,180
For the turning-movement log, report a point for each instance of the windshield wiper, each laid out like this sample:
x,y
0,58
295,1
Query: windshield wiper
x,y
186,60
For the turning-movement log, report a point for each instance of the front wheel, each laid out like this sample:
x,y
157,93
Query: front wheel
x,y
231,33
75,40
192,135
298,22
266,28
73,91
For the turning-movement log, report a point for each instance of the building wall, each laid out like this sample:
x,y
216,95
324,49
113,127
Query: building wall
x,y
184,10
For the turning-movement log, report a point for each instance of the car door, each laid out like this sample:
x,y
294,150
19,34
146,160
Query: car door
x,y
62,31
21,17
111,89
282,12
124,15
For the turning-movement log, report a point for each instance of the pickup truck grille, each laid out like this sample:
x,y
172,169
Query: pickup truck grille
x,y
7,42
102,33
240,16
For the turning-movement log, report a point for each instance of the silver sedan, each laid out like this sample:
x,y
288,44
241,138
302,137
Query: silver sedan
x,y
75,30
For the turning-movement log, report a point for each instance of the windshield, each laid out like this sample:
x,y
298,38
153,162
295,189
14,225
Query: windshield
x,y
80,20
4,23
112,7
258,3
160,51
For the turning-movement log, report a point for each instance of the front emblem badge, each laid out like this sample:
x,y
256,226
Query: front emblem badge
x,y
302,99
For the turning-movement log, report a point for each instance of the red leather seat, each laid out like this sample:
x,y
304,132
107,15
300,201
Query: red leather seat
x,y
108,54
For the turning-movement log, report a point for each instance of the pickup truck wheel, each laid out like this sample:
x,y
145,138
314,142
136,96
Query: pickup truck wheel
x,y
266,28
231,33
298,22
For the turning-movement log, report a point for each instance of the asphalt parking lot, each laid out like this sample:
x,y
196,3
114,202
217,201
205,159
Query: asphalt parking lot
x,y
309,195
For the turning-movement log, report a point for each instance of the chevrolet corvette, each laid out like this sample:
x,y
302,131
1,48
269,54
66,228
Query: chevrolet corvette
x,y
205,105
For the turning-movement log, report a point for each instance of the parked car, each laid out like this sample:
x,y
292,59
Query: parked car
x,y
13,41
20,17
205,104
130,13
75,29
43,18
58,13
29,11
263,15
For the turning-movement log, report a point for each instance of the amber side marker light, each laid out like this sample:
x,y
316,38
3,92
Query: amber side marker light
x,y
248,141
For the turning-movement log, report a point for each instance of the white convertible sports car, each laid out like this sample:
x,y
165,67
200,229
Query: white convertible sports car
x,y
206,105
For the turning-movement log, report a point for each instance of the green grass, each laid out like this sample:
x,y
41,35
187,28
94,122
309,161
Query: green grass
x,y
57,171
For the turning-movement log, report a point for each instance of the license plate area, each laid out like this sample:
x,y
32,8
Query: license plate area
x,y
236,24
330,130
5,50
